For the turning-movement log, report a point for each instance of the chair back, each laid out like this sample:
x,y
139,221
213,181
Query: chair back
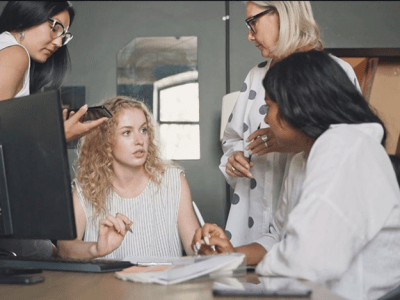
x,y
228,102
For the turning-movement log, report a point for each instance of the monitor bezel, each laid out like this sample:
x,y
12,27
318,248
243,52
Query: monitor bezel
x,y
37,172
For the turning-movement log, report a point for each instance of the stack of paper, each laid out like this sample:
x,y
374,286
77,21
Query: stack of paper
x,y
184,268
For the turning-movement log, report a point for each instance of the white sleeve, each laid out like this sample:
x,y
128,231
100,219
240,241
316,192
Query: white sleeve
x,y
290,194
349,71
337,214
318,246
268,240
232,139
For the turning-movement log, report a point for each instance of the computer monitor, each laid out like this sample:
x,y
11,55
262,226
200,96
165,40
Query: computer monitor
x,y
35,185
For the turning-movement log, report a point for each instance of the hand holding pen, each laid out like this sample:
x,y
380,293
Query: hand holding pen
x,y
238,165
112,231
216,236
127,225
197,246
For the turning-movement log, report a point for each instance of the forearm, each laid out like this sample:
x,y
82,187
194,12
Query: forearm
x,y
77,249
254,253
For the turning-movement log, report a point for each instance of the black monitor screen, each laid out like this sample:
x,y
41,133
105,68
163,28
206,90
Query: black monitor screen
x,y
35,186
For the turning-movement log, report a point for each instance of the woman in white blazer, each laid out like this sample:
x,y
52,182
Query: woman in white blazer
x,y
343,228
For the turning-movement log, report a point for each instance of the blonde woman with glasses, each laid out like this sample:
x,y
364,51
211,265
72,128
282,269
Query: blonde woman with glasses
x,y
253,163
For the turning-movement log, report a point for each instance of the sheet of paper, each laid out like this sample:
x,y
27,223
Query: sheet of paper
x,y
136,269
187,268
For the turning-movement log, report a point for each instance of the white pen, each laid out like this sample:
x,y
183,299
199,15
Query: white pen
x,y
152,264
201,221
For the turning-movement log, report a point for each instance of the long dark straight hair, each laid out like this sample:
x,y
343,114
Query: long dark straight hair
x,y
313,91
21,15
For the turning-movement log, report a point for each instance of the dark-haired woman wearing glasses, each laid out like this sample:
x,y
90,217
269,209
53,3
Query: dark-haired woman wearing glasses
x,y
277,29
33,54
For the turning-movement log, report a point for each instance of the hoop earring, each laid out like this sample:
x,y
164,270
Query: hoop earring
x,y
21,36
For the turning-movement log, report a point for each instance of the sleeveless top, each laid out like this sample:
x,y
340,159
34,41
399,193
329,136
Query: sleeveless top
x,y
7,40
154,214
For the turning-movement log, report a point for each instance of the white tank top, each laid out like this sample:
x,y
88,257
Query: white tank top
x,y
7,40
154,214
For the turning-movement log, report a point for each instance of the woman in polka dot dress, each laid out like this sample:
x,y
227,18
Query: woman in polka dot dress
x,y
253,163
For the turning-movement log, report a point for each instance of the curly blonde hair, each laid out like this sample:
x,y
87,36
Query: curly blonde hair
x,y
95,157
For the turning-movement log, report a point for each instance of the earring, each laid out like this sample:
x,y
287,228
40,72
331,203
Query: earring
x,y
21,36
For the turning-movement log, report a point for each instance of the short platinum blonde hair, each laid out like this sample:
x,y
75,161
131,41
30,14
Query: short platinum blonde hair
x,y
297,27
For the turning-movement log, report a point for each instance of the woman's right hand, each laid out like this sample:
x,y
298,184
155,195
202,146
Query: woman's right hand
x,y
215,236
111,234
238,165
74,128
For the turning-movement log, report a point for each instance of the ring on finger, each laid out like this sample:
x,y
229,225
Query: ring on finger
x,y
264,138
233,169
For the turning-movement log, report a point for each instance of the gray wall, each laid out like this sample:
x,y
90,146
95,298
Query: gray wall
x,y
102,28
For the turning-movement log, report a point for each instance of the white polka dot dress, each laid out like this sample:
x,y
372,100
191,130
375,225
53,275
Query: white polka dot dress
x,y
253,199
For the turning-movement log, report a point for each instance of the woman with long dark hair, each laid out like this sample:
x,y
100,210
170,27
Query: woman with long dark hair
x,y
34,54
342,228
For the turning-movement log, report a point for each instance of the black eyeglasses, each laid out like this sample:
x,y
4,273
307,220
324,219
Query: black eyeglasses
x,y
251,22
57,30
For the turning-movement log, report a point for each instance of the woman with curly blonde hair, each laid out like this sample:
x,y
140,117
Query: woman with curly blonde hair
x,y
124,185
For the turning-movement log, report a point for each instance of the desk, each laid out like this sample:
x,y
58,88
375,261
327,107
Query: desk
x,y
73,286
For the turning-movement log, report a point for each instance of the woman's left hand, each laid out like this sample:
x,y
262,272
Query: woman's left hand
x,y
215,236
112,231
263,141
75,129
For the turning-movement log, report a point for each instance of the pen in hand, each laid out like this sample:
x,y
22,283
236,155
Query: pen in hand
x,y
127,227
201,221
259,126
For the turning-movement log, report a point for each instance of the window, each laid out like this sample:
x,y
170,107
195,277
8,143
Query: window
x,y
163,73
176,100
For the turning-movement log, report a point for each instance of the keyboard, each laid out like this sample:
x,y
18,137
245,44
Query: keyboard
x,y
62,264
